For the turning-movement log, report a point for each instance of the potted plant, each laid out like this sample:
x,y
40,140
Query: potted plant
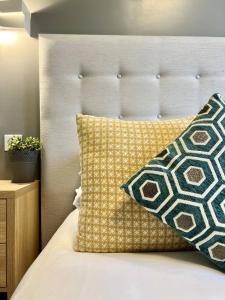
x,y
24,154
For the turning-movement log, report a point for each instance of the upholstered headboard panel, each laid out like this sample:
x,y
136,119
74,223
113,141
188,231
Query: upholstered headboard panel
x,y
128,77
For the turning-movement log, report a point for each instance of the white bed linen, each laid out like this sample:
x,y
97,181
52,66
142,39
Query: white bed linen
x,y
61,273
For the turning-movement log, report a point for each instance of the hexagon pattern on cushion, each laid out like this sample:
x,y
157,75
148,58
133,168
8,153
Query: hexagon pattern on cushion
x,y
184,186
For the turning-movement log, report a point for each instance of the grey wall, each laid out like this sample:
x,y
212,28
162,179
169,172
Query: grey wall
x,y
141,17
19,105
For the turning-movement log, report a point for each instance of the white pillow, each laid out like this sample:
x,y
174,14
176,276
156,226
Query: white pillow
x,y
77,198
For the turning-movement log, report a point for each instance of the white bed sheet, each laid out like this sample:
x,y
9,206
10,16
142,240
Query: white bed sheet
x,y
61,273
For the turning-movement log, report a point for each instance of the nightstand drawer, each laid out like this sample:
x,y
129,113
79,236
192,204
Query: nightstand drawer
x,y
3,265
2,221
19,231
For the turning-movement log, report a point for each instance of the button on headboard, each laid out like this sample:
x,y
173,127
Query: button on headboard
x,y
127,77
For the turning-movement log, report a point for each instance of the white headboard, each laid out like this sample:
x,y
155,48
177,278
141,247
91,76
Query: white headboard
x,y
128,77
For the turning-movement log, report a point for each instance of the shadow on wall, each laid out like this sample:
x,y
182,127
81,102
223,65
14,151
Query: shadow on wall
x,y
83,17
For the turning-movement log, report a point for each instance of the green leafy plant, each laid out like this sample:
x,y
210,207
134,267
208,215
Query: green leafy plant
x,y
29,143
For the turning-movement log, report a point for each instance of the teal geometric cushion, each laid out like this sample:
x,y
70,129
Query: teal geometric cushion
x,y
184,186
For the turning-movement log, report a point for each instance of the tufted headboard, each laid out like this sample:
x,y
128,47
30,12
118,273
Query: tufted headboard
x,y
127,77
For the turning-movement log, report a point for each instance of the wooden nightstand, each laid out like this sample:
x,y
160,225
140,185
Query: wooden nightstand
x,y
19,231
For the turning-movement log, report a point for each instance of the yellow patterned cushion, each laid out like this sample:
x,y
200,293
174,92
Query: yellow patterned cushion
x,y
111,151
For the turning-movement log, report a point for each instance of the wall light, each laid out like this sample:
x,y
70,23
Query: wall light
x,y
10,23
7,36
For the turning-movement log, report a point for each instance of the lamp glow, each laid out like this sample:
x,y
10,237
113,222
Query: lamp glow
x,y
7,37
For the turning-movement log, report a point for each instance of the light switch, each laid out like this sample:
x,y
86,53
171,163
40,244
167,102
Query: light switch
x,y
7,137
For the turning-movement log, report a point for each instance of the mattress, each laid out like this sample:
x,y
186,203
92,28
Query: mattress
x,y
61,273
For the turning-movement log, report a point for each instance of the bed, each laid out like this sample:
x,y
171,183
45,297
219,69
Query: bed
x,y
126,77
61,273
